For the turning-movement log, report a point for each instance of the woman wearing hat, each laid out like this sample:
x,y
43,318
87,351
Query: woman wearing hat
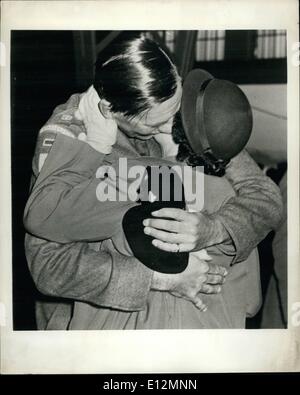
x,y
104,126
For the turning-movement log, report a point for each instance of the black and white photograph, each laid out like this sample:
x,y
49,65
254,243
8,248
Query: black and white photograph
x,y
150,191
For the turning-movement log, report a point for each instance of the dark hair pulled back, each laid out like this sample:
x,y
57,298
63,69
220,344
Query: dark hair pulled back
x,y
133,74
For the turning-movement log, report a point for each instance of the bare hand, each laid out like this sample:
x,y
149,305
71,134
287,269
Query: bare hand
x,y
174,227
199,277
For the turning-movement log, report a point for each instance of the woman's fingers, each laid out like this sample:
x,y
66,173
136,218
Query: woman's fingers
x,y
199,304
173,247
217,269
173,213
170,247
164,224
210,289
170,225
202,254
215,279
167,236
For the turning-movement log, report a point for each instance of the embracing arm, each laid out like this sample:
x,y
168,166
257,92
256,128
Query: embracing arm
x,y
78,271
75,270
255,210
63,205
236,227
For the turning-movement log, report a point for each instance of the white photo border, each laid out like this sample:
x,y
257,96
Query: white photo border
x,y
174,351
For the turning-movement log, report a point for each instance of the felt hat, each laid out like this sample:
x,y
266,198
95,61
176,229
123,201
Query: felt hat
x,y
140,243
216,115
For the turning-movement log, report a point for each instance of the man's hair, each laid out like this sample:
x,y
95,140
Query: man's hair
x,y
133,74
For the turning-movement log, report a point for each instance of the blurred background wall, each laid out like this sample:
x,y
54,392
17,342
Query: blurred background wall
x,y
48,66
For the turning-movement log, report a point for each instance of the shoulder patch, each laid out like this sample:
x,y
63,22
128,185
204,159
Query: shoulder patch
x,y
66,117
57,129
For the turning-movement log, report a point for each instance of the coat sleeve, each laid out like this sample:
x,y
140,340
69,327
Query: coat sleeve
x,y
55,218
64,204
254,211
78,271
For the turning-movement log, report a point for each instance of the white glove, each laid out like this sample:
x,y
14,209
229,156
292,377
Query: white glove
x,y
101,131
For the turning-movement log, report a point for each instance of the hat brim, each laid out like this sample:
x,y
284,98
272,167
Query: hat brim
x,y
216,115
141,244
191,87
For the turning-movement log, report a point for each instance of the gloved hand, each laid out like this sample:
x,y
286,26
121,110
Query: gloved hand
x,y
101,131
